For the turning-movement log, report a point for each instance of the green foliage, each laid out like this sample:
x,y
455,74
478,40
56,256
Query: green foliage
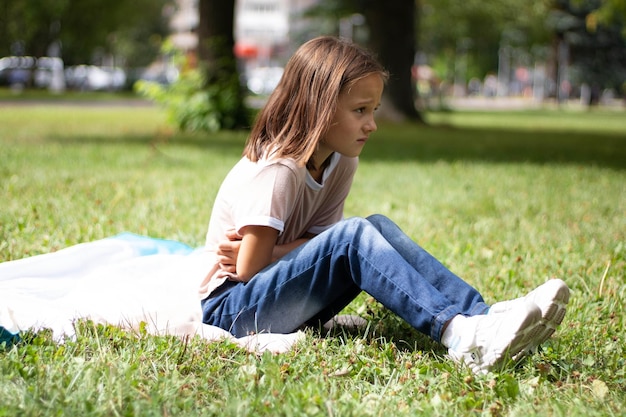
x,y
504,199
189,107
610,11
470,34
131,31
450,27
192,104
597,42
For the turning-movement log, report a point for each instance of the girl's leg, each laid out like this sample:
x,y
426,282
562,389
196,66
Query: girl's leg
x,y
313,277
455,289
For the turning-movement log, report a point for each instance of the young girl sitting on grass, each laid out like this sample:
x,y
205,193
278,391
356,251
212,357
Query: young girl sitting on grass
x,y
284,256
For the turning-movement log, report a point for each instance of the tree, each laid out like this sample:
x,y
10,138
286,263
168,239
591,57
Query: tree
x,y
595,41
84,29
475,30
217,59
117,28
207,95
27,28
392,36
215,50
611,11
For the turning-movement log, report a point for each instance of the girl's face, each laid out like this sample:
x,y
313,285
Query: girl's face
x,y
354,119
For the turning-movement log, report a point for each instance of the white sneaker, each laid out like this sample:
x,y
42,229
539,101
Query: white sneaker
x,y
489,340
551,297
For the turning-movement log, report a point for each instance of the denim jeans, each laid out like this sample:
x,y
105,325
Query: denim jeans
x,y
317,280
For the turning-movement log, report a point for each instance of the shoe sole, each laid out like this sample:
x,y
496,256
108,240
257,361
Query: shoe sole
x,y
522,335
552,317
528,331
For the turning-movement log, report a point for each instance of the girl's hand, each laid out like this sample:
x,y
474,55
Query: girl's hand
x,y
228,251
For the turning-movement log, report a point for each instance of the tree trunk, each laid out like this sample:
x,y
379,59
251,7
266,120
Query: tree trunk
x,y
216,56
215,29
392,37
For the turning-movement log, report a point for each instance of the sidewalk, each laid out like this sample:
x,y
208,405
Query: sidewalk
x,y
522,103
52,101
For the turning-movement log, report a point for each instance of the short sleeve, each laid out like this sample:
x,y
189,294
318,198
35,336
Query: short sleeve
x,y
268,198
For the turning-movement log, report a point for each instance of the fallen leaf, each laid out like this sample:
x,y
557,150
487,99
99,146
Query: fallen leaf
x,y
599,388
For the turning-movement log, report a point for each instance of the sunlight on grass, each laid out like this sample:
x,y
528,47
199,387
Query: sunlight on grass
x,y
505,200
592,120
41,123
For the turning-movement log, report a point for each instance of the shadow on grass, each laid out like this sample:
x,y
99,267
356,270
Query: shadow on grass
x,y
405,142
431,144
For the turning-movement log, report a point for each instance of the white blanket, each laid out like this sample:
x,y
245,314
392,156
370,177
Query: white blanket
x,y
123,280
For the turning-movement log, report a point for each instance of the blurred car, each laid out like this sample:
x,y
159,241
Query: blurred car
x,y
49,73
163,72
94,78
20,72
263,80
17,71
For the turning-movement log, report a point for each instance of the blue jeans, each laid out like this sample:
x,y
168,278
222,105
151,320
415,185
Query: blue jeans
x,y
317,280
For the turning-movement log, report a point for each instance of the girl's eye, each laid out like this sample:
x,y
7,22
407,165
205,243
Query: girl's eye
x,y
360,110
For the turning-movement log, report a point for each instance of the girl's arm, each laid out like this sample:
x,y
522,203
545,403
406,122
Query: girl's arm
x,y
256,250
230,248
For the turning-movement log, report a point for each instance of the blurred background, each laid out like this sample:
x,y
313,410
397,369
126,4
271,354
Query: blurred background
x,y
450,52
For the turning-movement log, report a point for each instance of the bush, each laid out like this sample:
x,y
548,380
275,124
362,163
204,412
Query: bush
x,y
193,104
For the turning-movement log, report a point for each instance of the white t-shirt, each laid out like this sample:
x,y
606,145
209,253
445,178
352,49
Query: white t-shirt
x,y
280,194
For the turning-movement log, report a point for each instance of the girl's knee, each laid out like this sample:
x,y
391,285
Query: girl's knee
x,y
378,220
356,222
375,222
353,225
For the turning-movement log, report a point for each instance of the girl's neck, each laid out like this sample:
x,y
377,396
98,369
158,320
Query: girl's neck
x,y
316,168
317,174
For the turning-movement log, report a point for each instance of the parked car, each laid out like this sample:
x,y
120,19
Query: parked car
x,y
26,71
263,80
94,78
17,71
49,73
162,72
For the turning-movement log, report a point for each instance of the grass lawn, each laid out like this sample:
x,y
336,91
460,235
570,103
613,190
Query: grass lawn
x,y
506,200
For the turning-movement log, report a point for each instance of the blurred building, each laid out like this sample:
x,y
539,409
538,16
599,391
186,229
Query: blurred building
x,y
266,33
263,29
184,21
260,27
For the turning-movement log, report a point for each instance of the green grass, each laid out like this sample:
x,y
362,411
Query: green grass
x,y
506,200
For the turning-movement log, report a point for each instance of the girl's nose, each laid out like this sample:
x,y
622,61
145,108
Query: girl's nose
x,y
371,126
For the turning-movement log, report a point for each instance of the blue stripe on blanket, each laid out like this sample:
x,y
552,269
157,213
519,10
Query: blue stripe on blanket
x,y
152,246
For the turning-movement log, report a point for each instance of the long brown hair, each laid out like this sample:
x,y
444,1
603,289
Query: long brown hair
x,y
302,107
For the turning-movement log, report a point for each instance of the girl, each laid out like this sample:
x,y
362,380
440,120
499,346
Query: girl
x,y
284,256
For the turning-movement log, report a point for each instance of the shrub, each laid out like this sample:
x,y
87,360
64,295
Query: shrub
x,y
193,104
